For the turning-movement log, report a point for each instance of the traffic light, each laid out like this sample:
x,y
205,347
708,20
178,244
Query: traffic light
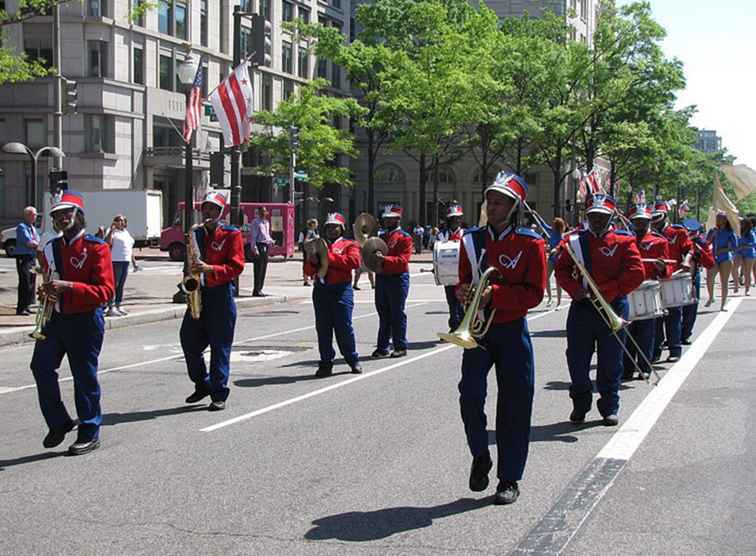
x,y
70,96
58,181
261,41
217,169
294,137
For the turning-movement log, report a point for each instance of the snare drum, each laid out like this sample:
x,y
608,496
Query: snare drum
x,y
645,302
678,290
446,263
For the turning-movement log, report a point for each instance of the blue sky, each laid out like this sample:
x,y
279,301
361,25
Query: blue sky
x,y
716,40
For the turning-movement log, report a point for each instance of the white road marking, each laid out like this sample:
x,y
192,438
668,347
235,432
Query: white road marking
x,y
8,390
347,382
625,441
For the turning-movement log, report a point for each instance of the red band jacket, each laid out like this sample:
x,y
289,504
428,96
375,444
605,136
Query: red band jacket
x,y
343,258
223,249
679,242
86,262
653,246
518,255
399,245
613,261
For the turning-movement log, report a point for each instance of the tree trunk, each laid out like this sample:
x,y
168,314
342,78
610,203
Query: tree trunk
x,y
612,178
557,170
422,179
484,159
434,215
518,168
371,171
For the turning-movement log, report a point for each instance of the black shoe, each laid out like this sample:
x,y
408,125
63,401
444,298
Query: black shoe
x,y
216,406
686,342
198,395
577,416
356,369
356,288
79,448
673,359
24,313
324,370
481,465
506,493
627,377
398,353
55,437
611,420
380,354
259,294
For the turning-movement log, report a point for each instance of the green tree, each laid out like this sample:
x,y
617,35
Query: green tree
x,y
320,143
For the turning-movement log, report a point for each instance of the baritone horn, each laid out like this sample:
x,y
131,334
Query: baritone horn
x,y
473,327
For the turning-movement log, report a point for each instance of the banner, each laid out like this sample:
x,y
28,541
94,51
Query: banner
x,y
721,202
742,178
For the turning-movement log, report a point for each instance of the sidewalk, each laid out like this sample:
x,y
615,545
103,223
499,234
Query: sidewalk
x,y
149,292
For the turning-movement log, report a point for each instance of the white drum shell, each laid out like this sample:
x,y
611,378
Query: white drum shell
x,y
446,263
677,291
645,302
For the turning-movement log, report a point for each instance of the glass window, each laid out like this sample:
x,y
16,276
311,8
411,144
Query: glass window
x,y
138,62
287,57
98,58
245,5
336,4
203,23
140,20
267,92
97,8
245,42
165,15
36,134
288,89
165,135
304,14
287,13
323,68
98,130
304,63
42,54
181,20
336,76
166,72
265,9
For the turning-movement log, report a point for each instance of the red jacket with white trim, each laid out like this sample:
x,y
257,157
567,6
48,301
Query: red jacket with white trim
x,y
679,242
223,249
343,258
653,246
399,245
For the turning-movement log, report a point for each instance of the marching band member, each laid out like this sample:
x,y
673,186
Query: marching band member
x,y
333,298
724,243
679,246
82,282
702,256
221,260
613,261
651,246
392,285
518,254
745,255
453,232
556,234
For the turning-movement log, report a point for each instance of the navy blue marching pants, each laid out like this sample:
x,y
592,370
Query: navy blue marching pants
x,y
586,329
391,292
333,312
508,348
79,337
456,310
643,331
214,328
689,312
671,325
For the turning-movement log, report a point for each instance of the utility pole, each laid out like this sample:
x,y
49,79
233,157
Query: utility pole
x,y
58,62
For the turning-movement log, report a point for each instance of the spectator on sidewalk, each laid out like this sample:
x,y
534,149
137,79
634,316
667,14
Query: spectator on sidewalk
x,y
121,250
310,232
27,240
260,240
417,235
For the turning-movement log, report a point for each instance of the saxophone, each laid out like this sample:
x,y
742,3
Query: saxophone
x,y
45,310
190,284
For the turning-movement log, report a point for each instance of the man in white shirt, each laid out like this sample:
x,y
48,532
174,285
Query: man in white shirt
x,y
260,240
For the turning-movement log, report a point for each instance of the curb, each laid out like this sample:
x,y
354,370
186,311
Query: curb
x,y
21,336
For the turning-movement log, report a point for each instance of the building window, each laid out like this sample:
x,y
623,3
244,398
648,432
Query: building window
x,y
180,10
336,4
573,6
584,10
165,16
98,58
166,73
245,5
166,136
203,23
98,133
352,30
140,20
97,8
323,68
288,89
245,41
287,57
287,13
267,92
304,14
265,9
36,133
138,62
204,80
336,76
42,54
304,63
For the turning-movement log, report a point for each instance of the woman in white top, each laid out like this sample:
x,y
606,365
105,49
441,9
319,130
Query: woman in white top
x,y
121,251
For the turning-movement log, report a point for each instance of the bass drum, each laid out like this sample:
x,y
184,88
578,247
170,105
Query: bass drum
x,y
678,291
446,263
645,302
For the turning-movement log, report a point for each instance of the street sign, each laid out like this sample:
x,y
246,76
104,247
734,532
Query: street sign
x,y
280,181
301,176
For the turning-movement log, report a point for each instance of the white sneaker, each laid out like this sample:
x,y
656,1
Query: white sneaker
x,y
112,312
121,311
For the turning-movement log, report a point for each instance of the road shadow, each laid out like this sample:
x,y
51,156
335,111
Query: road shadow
x,y
423,345
380,524
110,419
269,314
274,380
29,459
564,431
315,362
563,385
549,334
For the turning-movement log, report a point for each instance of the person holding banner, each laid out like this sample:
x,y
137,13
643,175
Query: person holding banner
x,y
744,256
724,243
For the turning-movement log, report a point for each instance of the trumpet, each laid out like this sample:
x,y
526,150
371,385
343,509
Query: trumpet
x,y
190,284
473,327
45,311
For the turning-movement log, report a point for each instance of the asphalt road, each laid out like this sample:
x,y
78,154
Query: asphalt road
x,y
375,464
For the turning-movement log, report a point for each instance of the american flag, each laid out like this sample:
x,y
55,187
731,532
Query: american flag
x,y
232,102
194,106
594,185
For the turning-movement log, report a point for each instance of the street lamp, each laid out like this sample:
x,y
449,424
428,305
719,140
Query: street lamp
x,y
186,72
20,148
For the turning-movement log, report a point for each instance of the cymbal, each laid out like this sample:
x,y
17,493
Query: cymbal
x,y
318,246
372,246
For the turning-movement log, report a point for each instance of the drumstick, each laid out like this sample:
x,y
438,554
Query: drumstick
x,y
668,261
